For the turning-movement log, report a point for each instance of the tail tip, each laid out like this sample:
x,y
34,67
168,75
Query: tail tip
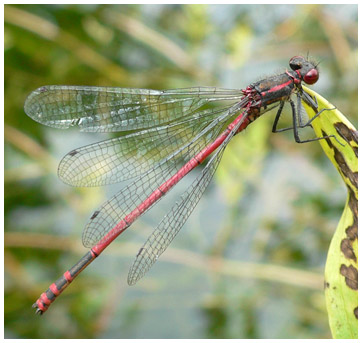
x,y
38,311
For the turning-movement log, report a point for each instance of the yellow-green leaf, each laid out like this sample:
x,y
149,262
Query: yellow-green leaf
x,y
341,272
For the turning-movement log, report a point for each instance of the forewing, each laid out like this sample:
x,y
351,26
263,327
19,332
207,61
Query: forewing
x,y
110,109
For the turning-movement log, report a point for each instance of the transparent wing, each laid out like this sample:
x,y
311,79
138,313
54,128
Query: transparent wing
x,y
110,109
171,224
134,194
129,156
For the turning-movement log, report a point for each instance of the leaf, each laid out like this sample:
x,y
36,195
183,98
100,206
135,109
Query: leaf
x,y
341,272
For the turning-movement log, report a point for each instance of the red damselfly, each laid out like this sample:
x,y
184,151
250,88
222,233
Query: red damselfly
x,y
172,132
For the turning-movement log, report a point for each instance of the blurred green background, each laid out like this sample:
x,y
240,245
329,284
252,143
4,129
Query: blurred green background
x,y
249,262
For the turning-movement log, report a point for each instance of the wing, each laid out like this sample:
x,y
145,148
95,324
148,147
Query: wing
x,y
110,109
135,193
171,224
129,156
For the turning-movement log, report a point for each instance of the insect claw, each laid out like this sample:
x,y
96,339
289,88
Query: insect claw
x,y
38,310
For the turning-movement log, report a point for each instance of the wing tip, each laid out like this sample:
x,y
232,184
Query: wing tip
x,y
32,104
39,106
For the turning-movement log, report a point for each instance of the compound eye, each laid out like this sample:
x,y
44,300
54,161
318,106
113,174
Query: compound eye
x,y
295,62
311,77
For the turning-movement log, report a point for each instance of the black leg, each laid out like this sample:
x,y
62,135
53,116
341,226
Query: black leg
x,y
316,115
312,102
297,120
300,124
277,117
299,109
296,127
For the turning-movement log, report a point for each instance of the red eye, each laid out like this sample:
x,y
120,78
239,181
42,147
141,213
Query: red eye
x,y
311,77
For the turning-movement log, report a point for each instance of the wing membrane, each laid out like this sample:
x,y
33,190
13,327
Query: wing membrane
x,y
130,197
110,109
129,156
171,224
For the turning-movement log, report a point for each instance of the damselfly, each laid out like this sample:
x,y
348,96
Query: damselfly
x,y
169,133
